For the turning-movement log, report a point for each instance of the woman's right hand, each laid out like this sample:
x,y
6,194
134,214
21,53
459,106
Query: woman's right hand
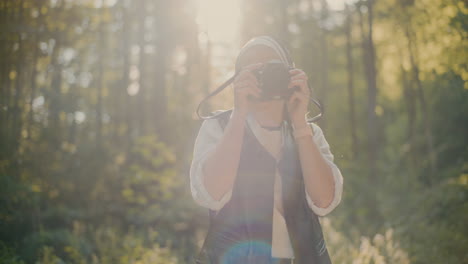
x,y
245,87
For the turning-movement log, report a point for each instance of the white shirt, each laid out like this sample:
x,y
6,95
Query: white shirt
x,y
208,136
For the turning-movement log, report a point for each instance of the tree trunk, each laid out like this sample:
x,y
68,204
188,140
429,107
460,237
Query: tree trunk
x,y
350,67
33,74
142,69
159,102
18,91
284,21
100,83
372,95
125,109
324,56
372,144
55,94
369,63
422,101
410,104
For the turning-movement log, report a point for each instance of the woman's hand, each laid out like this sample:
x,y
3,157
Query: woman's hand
x,y
299,101
245,85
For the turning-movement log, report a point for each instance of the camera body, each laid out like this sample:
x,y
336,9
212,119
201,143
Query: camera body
x,y
273,79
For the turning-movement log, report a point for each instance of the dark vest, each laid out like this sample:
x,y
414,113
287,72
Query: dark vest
x,y
241,232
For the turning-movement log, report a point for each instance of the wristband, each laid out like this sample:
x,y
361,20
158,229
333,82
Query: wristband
x,y
302,132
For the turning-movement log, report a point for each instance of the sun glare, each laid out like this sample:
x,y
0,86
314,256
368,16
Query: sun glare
x,y
338,4
219,23
219,19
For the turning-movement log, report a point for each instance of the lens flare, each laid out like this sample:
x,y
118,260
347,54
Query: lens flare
x,y
248,251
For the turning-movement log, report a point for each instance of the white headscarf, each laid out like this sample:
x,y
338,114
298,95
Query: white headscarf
x,y
269,42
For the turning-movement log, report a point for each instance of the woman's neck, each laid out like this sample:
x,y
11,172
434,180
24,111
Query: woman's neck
x,y
269,114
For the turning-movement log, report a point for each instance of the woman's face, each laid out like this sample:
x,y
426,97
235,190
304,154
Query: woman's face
x,y
261,54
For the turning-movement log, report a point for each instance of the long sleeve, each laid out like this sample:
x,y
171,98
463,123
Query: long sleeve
x,y
208,136
324,147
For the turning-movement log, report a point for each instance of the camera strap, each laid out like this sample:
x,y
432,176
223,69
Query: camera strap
x,y
215,92
230,80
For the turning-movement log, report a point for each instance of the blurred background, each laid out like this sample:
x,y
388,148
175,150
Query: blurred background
x,y
97,123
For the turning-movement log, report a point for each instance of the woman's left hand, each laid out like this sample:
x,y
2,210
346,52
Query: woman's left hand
x,y
298,103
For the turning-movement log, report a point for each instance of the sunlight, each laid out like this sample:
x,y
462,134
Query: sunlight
x,y
338,4
219,24
219,19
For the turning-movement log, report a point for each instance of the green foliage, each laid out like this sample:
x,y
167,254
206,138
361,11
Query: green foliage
x,y
97,132
8,255
381,248
111,247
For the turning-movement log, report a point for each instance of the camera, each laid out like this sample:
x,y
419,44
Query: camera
x,y
273,79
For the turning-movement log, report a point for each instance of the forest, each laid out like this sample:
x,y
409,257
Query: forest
x,y
98,123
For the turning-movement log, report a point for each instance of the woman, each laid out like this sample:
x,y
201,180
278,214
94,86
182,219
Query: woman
x,y
264,184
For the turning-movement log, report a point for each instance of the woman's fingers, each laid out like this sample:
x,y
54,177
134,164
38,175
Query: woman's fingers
x,y
246,78
246,72
302,84
245,82
245,75
300,76
293,98
297,71
247,87
248,92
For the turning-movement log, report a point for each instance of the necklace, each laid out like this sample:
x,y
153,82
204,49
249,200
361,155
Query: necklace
x,y
272,128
